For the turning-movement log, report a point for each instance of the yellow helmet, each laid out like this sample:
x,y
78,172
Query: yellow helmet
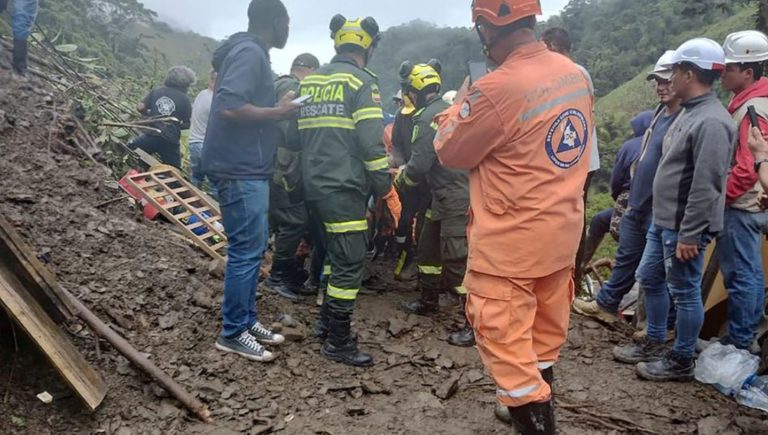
x,y
361,32
420,77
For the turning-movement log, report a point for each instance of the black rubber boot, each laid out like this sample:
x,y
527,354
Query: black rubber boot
x,y
20,49
298,274
534,418
280,283
549,378
322,325
465,337
340,346
502,412
672,368
428,303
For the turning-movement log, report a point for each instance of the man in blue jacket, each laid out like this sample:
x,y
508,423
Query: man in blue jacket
x,y
238,153
620,183
636,221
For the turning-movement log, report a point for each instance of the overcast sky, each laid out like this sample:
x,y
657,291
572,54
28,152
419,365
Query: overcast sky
x,y
310,18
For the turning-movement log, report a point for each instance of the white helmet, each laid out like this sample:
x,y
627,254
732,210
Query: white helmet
x,y
702,52
746,47
661,71
450,97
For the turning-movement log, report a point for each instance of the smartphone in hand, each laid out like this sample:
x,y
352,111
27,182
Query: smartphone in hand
x,y
301,100
476,71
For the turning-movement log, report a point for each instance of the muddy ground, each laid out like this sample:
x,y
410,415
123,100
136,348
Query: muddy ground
x,y
155,289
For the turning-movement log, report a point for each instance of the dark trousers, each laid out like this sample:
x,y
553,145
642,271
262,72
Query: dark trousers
x,y
169,152
289,225
443,255
343,216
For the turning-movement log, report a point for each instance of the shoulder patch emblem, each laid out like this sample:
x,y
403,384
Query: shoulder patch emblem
x,y
567,139
466,110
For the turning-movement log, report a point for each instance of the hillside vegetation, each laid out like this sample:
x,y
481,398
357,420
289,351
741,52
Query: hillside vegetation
x,y
616,109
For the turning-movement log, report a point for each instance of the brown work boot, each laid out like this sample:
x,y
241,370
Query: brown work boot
x,y
594,310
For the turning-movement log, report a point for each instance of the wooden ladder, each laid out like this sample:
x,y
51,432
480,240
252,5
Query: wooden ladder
x,y
178,200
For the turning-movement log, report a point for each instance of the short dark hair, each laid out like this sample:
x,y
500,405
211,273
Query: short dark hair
x,y
704,76
758,69
351,49
558,37
306,60
262,13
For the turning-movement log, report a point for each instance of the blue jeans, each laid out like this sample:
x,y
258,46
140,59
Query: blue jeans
x,y
197,177
632,232
660,269
245,210
195,154
739,249
23,17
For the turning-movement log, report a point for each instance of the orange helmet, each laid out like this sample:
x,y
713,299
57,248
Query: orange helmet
x,y
503,12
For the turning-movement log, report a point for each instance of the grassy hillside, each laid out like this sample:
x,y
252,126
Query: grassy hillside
x,y
173,47
616,109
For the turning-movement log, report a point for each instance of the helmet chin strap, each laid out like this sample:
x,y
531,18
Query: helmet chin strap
x,y
486,45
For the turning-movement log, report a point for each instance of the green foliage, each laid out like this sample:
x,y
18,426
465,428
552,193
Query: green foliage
x,y
419,42
614,111
614,39
110,53
597,203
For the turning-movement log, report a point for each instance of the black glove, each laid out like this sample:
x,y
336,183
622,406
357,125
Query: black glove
x,y
3,5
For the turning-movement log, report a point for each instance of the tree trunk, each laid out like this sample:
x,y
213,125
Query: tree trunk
x,y
762,15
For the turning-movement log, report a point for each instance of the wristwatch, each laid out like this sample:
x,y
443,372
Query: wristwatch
x,y
759,163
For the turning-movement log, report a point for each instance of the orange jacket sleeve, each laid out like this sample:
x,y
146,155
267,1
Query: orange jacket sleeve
x,y
469,131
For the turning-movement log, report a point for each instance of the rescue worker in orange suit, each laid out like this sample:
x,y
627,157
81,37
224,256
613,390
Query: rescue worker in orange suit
x,y
442,252
523,131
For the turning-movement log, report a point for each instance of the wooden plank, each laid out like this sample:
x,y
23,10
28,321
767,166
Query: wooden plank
x,y
18,257
219,246
195,225
25,310
169,205
144,186
147,160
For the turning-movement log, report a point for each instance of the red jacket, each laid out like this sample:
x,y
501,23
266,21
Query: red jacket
x,y
743,177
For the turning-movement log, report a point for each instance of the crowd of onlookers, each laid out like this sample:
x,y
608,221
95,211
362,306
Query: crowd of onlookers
x,y
682,200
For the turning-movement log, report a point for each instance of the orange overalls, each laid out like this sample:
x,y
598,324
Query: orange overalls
x,y
524,132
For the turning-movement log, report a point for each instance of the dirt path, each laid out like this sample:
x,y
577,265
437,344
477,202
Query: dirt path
x,y
160,295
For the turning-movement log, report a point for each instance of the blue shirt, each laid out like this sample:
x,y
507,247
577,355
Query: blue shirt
x,y
241,150
641,192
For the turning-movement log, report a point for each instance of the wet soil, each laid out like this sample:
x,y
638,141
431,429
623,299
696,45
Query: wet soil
x,y
156,290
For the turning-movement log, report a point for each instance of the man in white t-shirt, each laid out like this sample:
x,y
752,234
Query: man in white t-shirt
x,y
559,41
200,111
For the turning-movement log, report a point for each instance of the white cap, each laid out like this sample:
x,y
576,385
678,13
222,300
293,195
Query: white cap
x,y
661,71
746,47
702,52
450,97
